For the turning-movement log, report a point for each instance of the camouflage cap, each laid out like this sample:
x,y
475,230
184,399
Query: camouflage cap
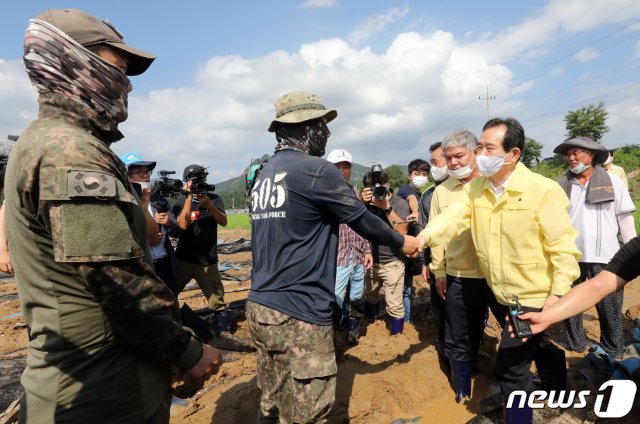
x,y
300,106
88,30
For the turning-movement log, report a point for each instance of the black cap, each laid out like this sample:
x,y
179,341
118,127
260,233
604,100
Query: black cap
x,y
192,171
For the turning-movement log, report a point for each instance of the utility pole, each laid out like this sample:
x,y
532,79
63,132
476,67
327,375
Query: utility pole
x,y
487,98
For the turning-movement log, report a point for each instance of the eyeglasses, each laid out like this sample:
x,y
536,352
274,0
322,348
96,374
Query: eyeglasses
x,y
142,174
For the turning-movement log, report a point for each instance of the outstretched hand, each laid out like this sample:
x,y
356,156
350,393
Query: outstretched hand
x,y
537,323
410,246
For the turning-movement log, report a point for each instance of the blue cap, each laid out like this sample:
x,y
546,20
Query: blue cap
x,y
133,158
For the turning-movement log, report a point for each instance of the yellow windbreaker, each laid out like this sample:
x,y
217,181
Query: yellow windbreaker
x,y
524,240
458,257
618,171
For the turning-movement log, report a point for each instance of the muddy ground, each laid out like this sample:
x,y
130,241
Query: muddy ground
x,y
380,380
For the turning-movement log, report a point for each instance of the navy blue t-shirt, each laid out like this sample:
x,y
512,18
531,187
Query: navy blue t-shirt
x,y
407,190
296,206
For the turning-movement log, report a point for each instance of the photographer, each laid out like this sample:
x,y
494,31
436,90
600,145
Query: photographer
x,y
388,263
164,224
196,253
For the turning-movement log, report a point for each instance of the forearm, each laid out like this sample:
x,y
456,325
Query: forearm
x,y
450,223
218,215
413,205
627,227
184,219
397,223
141,310
583,297
377,231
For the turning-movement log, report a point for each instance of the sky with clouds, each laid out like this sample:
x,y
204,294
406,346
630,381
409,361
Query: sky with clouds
x,y
401,74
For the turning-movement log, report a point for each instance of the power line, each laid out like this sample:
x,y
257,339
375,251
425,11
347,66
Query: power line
x,y
607,73
547,66
600,96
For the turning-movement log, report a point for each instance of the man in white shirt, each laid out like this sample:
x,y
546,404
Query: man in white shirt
x,y
600,207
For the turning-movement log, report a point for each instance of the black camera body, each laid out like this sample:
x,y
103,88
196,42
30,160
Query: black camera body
x,y
379,188
165,186
202,188
199,184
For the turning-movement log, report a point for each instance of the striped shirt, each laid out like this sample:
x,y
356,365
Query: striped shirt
x,y
350,241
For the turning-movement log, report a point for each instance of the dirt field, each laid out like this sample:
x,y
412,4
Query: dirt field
x,y
380,380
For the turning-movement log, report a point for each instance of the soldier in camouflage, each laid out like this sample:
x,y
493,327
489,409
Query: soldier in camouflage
x,y
297,203
105,329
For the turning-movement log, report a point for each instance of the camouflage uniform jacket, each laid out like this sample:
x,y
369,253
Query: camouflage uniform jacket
x,y
104,327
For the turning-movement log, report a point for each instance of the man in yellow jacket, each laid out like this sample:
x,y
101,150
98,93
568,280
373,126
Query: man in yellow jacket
x,y
459,281
525,244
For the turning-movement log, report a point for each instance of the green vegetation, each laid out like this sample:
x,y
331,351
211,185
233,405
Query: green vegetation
x,y
588,121
532,153
397,175
551,169
238,220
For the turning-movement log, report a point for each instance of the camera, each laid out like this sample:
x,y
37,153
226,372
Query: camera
x,y
379,188
199,184
165,186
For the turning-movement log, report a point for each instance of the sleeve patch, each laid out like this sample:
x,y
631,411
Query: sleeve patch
x,y
95,230
90,184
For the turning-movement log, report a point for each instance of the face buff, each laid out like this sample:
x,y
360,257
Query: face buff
x,y
309,137
58,64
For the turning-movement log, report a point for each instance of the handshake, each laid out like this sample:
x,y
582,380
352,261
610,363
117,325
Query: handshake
x,y
413,245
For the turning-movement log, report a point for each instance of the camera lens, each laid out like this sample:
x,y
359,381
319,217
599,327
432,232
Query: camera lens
x,y
380,192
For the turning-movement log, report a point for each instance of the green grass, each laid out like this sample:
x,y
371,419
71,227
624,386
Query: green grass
x,y
238,220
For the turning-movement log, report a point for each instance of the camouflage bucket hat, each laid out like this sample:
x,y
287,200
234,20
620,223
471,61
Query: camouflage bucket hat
x,y
88,30
300,106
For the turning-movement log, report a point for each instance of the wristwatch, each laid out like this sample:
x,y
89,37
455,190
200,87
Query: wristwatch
x,y
388,210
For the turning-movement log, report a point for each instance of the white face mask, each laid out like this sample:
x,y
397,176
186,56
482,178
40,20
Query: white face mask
x,y
419,181
460,173
490,165
579,168
438,173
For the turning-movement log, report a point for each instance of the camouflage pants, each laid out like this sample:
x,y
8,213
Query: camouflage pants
x,y
296,366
